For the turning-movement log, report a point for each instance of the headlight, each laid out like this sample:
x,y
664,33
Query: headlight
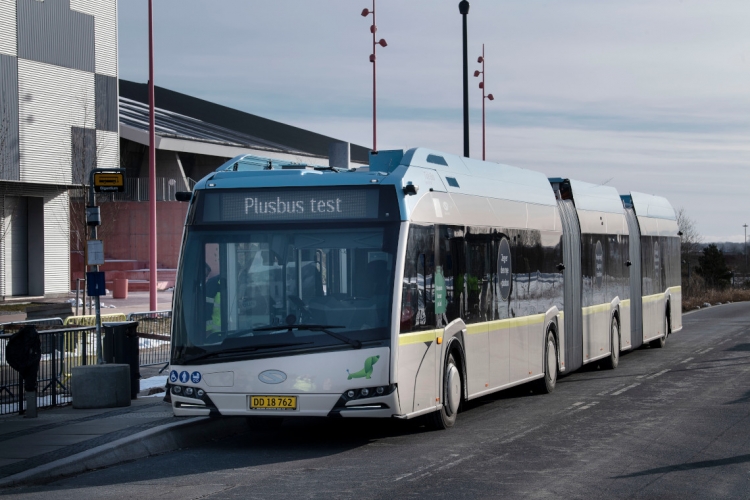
x,y
365,392
188,391
200,393
176,389
380,390
351,394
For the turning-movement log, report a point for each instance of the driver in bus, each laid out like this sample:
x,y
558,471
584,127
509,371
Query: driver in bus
x,y
213,302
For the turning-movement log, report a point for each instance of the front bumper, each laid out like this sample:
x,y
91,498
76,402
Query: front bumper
x,y
308,405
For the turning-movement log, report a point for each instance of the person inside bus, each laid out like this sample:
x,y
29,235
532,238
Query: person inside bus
x,y
213,302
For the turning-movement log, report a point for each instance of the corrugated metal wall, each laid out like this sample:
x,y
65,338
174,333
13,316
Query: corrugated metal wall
x,y
108,149
106,103
572,289
56,244
636,304
53,99
50,32
8,27
105,32
56,235
9,156
82,153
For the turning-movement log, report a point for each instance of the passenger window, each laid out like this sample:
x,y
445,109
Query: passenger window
x,y
418,293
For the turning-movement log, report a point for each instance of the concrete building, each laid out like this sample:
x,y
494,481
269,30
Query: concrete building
x,y
58,119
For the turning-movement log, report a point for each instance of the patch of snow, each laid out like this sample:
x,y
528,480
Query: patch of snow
x,y
148,383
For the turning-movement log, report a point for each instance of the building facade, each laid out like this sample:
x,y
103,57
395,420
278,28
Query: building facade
x,y
58,119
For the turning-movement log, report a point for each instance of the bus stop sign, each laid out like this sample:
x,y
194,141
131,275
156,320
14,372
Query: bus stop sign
x,y
109,182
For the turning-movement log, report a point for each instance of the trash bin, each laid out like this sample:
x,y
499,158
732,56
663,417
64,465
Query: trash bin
x,y
120,345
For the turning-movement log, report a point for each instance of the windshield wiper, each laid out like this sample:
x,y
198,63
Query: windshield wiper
x,y
313,328
237,350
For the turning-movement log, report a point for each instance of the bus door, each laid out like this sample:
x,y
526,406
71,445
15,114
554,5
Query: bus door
x,y
418,348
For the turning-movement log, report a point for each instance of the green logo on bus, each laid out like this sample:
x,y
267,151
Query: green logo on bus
x,y
365,372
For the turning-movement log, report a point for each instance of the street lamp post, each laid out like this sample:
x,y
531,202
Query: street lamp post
x,y
463,8
382,43
745,278
151,165
484,98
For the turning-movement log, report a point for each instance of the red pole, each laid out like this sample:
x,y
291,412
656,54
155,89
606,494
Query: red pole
x,y
151,165
483,99
374,87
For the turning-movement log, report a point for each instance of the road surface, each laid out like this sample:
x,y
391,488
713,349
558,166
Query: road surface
x,y
668,423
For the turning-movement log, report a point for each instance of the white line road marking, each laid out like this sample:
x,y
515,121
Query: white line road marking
x,y
657,374
705,351
625,389
725,340
594,403
520,435
604,393
686,360
578,403
454,463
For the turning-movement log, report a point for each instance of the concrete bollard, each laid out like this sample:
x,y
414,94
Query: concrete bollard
x,y
101,386
30,405
121,289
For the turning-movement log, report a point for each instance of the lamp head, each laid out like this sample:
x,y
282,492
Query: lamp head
x,y
365,12
383,43
490,97
481,85
480,59
463,7
477,73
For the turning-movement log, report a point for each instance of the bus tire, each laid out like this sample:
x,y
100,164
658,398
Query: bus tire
x,y
661,341
445,417
547,384
614,336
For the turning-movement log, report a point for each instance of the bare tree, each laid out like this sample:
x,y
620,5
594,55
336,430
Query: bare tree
x,y
691,239
690,243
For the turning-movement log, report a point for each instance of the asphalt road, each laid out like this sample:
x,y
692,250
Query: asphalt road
x,y
668,423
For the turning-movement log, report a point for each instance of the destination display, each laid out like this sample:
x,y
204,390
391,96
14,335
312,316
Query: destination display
x,y
286,205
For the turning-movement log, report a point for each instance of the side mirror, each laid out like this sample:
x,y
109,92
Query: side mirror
x,y
560,267
411,189
628,263
183,195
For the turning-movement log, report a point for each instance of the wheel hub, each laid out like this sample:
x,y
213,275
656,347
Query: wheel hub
x,y
453,389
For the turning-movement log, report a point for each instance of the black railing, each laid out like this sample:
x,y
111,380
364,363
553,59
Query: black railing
x,y
154,329
62,349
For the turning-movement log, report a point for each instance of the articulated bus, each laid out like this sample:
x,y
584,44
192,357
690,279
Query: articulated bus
x,y
404,289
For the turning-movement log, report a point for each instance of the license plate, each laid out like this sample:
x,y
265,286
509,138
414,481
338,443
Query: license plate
x,y
273,402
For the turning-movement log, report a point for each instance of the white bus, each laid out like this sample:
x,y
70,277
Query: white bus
x,y
404,290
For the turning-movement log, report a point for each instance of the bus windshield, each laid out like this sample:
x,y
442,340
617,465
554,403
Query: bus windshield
x,y
236,285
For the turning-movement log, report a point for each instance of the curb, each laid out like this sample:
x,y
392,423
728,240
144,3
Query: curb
x,y
155,441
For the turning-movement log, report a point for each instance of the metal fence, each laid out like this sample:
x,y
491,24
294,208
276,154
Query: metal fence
x,y
62,349
153,336
136,189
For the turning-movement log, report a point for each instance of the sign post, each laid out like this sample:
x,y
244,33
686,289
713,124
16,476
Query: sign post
x,y
102,180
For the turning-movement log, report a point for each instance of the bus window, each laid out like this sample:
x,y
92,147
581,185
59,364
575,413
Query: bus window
x,y
417,295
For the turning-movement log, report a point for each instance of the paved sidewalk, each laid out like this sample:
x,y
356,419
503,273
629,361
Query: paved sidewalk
x,y
26,443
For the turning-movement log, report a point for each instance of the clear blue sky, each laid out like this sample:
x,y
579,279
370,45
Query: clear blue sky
x,y
649,96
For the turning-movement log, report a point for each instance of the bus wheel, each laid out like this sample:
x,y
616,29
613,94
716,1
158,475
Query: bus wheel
x,y
662,341
547,384
614,357
445,417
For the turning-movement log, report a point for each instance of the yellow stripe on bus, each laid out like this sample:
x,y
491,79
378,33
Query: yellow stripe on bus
x,y
418,337
625,303
596,309
652,298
